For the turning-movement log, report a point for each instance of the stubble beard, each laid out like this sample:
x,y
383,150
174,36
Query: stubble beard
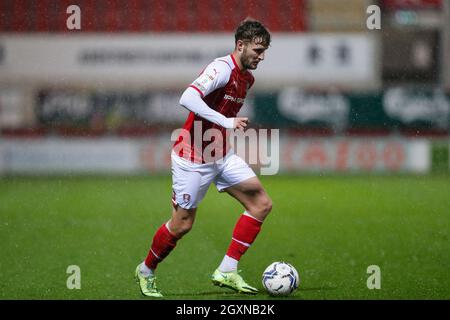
x,y
246,61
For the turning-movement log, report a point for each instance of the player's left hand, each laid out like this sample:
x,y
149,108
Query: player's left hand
x,y
240,123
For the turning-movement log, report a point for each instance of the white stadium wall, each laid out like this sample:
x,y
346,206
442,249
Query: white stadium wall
x,y
172,60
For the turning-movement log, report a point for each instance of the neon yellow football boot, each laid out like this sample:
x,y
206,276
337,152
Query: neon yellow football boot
x,y
147,284
233,281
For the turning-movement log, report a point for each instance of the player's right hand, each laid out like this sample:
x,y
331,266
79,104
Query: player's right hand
x,y
240,123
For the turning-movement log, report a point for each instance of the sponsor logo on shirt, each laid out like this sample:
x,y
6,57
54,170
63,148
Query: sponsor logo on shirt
x,y
234,99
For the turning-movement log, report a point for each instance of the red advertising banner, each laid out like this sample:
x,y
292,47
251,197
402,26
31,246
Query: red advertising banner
x,y
411,4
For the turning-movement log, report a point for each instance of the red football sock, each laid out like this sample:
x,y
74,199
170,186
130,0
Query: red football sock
x,y
163,243
244,233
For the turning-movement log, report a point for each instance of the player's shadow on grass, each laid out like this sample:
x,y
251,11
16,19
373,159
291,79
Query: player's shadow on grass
x,y
317,288
210,293
232,294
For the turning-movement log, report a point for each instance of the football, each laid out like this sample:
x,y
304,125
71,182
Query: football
x,y
280,279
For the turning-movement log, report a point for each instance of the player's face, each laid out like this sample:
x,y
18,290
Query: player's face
x,y
252,55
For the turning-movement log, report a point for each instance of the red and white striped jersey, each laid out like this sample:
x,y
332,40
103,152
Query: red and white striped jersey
x,y
223,87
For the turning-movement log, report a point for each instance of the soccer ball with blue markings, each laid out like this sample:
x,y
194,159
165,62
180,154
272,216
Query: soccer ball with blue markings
x,y
280,279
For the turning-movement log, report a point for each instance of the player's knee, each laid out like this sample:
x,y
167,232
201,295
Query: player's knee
x,y
266,206
261,207
180,227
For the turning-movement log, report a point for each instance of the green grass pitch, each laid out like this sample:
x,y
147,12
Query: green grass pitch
x,y
331,228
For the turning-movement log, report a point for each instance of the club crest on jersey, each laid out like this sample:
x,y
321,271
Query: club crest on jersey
x,y
186,197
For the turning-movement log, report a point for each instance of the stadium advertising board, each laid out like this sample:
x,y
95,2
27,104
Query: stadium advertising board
x,y
112,109
412,56
67,156
292,107
355,155
13,108
392,109
152,154
172,60
408,4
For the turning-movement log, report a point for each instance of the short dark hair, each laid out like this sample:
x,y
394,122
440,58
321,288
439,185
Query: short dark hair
x,y
252,30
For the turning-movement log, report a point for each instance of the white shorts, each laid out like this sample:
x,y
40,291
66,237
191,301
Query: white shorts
x,y
190,181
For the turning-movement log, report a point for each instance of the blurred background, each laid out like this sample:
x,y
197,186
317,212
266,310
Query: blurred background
x,y
89,95
100,94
